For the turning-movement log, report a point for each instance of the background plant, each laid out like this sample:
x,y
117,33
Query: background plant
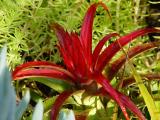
x,y
10,108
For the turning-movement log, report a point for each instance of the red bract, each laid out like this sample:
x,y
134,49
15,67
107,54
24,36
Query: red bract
x,y
82,66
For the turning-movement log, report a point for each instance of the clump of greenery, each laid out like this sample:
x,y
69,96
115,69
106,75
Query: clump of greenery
x,y
84,68
24,25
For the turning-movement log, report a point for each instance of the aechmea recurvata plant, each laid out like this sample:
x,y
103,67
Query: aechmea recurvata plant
x,y
84,67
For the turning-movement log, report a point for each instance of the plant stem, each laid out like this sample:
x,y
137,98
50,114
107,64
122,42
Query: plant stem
x,y
115,112
136,11
117,15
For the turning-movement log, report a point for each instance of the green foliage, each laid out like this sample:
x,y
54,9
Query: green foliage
x,y
57,85
24,25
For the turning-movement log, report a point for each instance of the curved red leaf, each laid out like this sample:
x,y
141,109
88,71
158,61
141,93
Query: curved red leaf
x,y
72,52
130,105
117,64
113,48
112,92
50,73
35,64
86,30
127,102
80,63
66,45
58,103
100,45
40,64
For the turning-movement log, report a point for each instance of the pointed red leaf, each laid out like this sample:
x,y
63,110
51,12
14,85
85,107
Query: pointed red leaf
x,y
50,73
67,60
81,66
113,48
86,30
100,45
112,92
117,64
58,103
65,47
35,64
127,102
40,64
130,105
72,51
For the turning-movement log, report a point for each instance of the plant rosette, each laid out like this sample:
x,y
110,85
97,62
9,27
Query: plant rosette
x,y
83,68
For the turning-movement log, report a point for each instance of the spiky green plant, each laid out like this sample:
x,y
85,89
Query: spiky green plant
x,y
10,109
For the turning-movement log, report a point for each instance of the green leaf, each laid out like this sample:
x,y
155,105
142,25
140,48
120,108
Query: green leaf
x,y
55,84
154,112
38,112
22,106
66,114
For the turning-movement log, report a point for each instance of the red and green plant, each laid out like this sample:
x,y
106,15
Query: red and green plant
x,y
83,68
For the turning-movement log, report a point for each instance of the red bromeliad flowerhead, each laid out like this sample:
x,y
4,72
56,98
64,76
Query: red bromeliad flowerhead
x,y
83,67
